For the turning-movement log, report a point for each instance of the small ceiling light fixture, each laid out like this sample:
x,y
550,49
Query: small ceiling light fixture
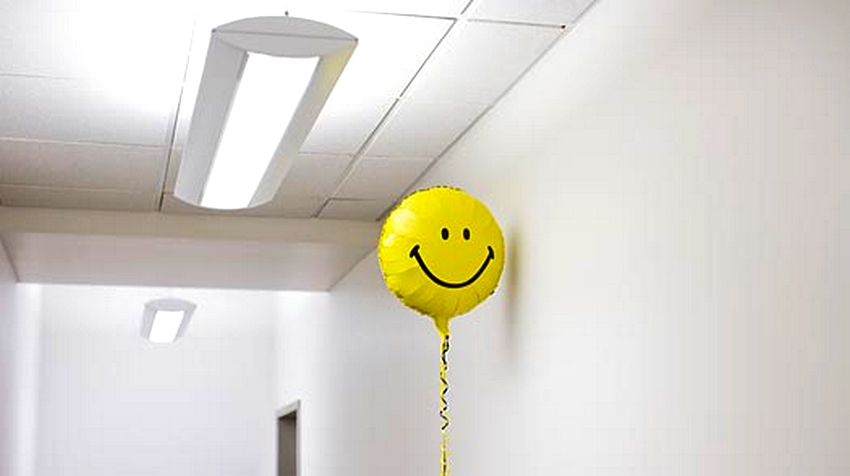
x,y
264,84
165,320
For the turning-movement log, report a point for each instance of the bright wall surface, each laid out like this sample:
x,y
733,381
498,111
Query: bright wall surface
x,y
7,313
673,183
355,361
112,403
19,344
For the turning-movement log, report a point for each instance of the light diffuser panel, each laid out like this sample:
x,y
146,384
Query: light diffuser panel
x,y
268,95
166,325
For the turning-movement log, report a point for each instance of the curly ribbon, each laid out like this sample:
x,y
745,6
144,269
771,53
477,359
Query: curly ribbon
x,y
444,406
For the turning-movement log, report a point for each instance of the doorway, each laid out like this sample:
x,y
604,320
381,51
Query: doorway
x,y
287,440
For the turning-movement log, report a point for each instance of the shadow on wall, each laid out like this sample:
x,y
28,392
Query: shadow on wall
x,y
511,287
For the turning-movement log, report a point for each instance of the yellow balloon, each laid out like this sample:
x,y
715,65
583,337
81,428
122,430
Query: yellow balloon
x,y
441,253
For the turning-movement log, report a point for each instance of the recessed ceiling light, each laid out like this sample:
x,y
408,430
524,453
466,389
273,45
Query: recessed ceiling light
x,y
165,320
264,84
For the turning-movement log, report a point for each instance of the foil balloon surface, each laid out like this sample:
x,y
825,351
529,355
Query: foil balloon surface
x,y
441,253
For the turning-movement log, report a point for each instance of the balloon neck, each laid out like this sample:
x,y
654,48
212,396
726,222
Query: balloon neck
x,y
442,325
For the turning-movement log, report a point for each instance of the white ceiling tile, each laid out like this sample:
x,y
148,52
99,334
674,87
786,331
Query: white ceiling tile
x,y
382,178
478,61
419,129
390,50
80,165
414,7
442,8
96,38
80,111
345,123
82,198
555,12
282,207
363,210
314,175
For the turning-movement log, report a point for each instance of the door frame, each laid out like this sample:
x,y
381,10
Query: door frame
x,y
293,407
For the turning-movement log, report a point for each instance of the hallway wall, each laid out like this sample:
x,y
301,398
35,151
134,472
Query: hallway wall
x,y
19,348
114,403
359,363
672,179
7,326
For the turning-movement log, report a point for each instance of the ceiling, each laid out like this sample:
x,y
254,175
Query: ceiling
x,y
96,98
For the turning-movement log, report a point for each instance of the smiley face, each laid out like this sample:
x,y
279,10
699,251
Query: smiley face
x,y
441,252
414,253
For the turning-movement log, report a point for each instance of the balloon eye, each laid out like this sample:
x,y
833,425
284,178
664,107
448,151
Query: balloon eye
x,y
445,233
466,234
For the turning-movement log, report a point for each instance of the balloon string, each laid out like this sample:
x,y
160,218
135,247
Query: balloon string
x,y
444,407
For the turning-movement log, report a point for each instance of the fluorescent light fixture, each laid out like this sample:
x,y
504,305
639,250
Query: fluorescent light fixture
x,y
165,320
264,84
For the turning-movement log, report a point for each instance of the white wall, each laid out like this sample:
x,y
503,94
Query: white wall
x,y
7,330
114,404
355,360
7,312
673,182
19,344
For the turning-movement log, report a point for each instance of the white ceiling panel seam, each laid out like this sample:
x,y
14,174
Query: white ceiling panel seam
x,y
387,115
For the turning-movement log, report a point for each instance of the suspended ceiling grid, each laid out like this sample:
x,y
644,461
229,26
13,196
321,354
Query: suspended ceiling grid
x,y
95,101
96,96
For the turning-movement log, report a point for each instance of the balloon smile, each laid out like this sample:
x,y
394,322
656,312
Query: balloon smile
x,y
414,253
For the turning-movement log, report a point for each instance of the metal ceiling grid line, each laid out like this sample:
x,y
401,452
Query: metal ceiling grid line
x,y
72,189
346,174
393,109
417,15
85,143
175,116
532,18
41,76
14,267
471,5
517,23
100,143
405,15
468,10
564,32
427,59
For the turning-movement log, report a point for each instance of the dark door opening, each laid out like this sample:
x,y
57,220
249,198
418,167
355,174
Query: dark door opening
x,y
287,442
